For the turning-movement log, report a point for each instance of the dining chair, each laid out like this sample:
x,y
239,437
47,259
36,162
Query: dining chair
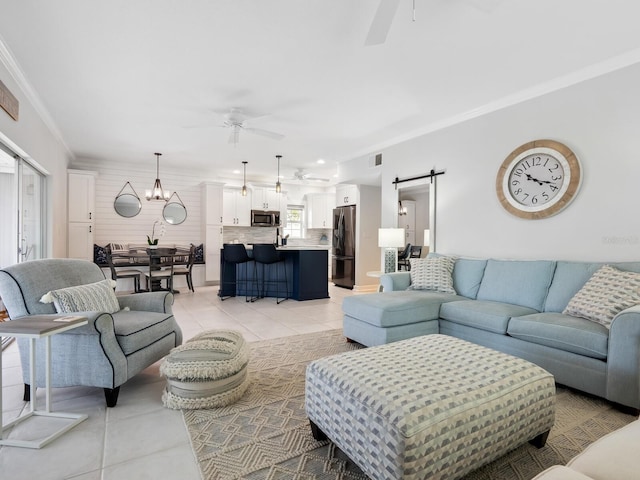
x,y
161,263
116,260
415,252
403,258
187,268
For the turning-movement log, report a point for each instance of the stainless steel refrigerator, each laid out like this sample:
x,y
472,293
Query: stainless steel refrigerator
x,y
344,247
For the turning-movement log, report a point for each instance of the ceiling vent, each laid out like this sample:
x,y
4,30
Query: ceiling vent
x,y
376,160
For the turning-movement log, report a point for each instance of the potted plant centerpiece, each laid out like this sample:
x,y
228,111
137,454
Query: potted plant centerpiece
x,y
151,239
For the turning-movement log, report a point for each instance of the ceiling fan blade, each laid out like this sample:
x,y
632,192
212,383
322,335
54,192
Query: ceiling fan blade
x,y
239,115
382,22
303,176
264,133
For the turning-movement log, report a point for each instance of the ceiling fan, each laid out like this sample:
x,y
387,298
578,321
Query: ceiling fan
x,y
303,176
235,119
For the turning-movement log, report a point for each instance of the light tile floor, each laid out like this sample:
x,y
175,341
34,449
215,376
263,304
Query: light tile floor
x,y
139,438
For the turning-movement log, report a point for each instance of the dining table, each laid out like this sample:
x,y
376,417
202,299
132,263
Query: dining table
x,y
157,258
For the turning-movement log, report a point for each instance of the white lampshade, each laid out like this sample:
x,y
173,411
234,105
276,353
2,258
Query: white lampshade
x,y
391,237
426,238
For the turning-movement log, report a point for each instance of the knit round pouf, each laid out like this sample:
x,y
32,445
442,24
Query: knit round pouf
x,y
208,371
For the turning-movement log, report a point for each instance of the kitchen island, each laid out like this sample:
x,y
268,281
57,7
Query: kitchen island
x,y
306,273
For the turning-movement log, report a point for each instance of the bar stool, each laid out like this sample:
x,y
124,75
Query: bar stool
x,y
267,255
235,254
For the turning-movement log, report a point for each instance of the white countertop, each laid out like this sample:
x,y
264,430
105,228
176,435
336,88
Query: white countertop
x,y
304,247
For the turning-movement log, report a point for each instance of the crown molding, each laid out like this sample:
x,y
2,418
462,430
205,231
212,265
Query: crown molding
x,y
590,72
10,63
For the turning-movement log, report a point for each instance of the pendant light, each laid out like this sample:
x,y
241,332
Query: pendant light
x,y
157,193
278,186
244,178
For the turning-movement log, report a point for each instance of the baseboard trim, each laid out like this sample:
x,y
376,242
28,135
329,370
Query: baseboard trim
x,y
366,288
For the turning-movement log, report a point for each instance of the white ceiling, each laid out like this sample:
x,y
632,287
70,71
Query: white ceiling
x,y
123,79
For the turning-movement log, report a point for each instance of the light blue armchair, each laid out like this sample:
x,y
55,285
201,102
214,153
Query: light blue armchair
x,y
107,351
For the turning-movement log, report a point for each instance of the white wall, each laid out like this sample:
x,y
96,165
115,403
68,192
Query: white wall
x,y
33,140
598,119
367,224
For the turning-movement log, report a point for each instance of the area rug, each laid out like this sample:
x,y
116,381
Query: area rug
x,y
266,434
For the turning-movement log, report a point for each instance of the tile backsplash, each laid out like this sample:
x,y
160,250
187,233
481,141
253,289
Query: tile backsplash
x,y
268,235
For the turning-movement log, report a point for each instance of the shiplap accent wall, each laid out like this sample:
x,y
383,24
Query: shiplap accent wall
x,y
111,227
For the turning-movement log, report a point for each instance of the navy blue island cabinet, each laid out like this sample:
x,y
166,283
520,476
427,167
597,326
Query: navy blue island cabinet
x,y
307,275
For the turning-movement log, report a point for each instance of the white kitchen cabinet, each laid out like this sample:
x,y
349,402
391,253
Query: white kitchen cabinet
x,y
265,199
346,195
81,186
320,210
236,209
212,248
80,240
82,198
212,203
212,213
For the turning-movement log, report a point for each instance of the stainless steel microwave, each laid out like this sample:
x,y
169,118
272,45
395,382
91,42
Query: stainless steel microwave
x,y
265,218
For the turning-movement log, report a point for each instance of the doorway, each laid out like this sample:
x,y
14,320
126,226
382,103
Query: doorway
x,y
21,208
413,214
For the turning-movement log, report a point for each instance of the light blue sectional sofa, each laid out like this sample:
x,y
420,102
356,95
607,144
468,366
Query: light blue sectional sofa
x,y
514,307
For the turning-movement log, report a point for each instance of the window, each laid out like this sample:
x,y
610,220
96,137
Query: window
x,y
294,221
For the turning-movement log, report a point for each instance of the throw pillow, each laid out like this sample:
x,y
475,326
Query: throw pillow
x,y
98,297
432,274
119,248
606,293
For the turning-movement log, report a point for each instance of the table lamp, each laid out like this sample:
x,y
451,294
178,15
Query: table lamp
x,y
426,240
390,239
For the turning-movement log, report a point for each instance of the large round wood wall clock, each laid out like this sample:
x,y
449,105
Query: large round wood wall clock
x,y
538,179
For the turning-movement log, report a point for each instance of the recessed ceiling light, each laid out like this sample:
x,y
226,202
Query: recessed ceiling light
x,y
237,171
321,161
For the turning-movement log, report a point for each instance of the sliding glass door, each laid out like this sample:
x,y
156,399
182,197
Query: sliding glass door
x,y
21,210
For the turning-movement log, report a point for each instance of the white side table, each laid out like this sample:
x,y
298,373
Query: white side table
x,y
375,274
34,327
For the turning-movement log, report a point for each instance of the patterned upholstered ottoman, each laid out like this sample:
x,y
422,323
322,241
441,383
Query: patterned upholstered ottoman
x,y
431,407
208,371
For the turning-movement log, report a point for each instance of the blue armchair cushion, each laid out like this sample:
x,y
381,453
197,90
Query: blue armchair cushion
x,y
92,297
